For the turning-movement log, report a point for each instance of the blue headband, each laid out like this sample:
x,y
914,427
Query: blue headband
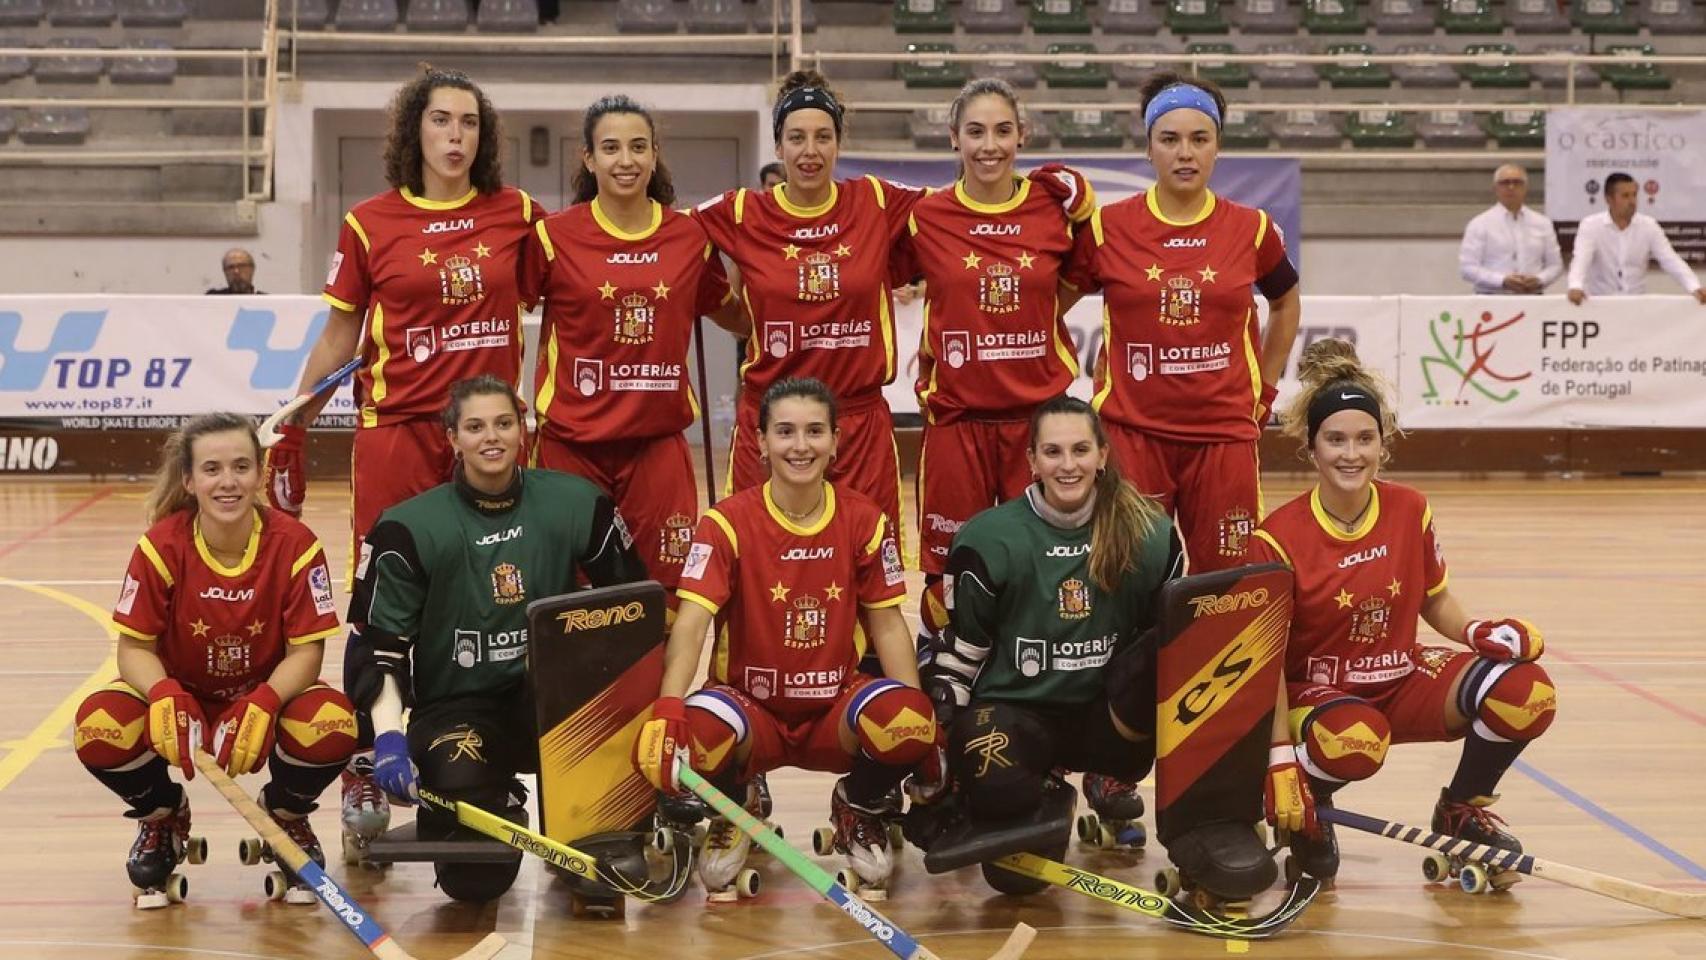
x,y
1180,96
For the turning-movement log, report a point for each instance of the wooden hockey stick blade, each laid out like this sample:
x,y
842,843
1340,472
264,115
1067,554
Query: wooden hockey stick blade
x,y
885,931
351,914
1690,905
268,430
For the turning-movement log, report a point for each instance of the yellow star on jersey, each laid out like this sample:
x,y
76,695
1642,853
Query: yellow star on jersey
x,y
199,628
972,261
1207,274
428,257
256,628
661,290
607,291
1027,261
779,593
1395,588
843,250
790,252
1152,272
832,592
481,251
1345,597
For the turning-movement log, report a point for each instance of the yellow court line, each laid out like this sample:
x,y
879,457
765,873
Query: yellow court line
x,y
46,734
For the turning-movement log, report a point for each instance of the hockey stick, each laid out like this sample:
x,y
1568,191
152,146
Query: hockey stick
x,y
898,941
583,865
1691,905
1152,904
705,414
343,906
268,430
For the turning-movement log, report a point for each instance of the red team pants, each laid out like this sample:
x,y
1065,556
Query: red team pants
x,y
966,467
1213,489
1414,704
866,459
651,480
809,742
390,464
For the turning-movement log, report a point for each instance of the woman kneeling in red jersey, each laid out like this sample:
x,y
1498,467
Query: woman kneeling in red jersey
x,y
798,575
1367,565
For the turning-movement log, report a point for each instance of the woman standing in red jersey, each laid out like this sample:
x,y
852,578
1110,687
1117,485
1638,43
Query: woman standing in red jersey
x,y
222,623
797,576
623,278
1367,566
1184,382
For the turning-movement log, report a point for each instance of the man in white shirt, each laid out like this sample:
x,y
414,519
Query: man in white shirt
x,y
1613,247
1510,248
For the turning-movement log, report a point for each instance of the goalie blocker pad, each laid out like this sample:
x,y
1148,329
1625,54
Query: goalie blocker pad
x,y
1219,664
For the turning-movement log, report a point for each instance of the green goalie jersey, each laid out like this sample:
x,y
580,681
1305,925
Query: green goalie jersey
x,y
1028,621
445,577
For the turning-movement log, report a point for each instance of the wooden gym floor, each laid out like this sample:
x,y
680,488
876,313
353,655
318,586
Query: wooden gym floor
x,y
1613,570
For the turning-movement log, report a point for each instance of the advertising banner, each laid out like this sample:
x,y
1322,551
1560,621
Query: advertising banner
x,y
1660,150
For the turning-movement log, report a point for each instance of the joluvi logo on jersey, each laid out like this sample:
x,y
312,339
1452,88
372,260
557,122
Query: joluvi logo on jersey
x,y
998,289
820,278
1236,525
1181,302
506,584
1074,599
1373,618
460,282
806,625
675,539
635,317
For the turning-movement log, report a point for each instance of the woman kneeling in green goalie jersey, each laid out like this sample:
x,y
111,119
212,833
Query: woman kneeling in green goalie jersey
x,y
443,586
1041,667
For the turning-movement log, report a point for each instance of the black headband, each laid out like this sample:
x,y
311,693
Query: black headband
x,y
805,98
1343,395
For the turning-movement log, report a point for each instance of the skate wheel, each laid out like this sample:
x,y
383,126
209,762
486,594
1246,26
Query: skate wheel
x,y
177,888
1134,835
1436,868
1087,825
747,883
897,837
299,895
195,851
847,878
823,842
249,851
151,899
352,850
267,854
1168,882
1473,879
663,840
1105,836
1504,879
275,885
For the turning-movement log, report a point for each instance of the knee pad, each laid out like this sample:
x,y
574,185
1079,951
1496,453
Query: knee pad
x,y
1344,740
716,725
1507,701
317,727
1000,755
933,605
112,729
455,763
894,723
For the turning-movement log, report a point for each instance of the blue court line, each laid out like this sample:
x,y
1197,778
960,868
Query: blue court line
x,y
1617,823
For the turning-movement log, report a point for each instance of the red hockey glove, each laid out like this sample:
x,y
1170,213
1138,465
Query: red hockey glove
x,y
1071,188
287,470
246,732
660,740
1286,800
174,724
1503,640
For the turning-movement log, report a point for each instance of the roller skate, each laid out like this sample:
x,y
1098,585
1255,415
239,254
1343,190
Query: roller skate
x,y
1115,811
365,814
284,883
162,842
722,857
1471,820
862,833
1218,867
1318,855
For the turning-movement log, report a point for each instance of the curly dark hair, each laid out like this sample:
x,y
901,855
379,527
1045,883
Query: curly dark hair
x,y
403,160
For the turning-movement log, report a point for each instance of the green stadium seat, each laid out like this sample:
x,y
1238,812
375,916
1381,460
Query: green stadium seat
x,y
1449,129
992,16
931,73
923,16
1067,70
1187,17
1493,71
1469,16
928,129
1379,130
1307,130
1088,128
1353,70
1602,16
1517,129
1059,16
1631,72
1243,131
1333,17
1223,73
1130,17
1133,72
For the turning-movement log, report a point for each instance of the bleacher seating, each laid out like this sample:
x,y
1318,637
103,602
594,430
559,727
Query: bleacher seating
x,y
1517,129
1333,18
1130,17
647,16
1673,17
1242,130
1193,17
1132,73
16,65
1398,17
1019,73
144,69
54,125
930,72
304,14
1469,16
1445,129
1222,72
1491,70
1284,75
1632,72
21,13
928,129
1602,16
1556,75
507,16
992,16
1039,132
366,16
8,123
1067,70
71,69
1265,16
1088,128
1307,130
81,13
920,16
1536,16
1428,74
1379,130
1059,16
437,16
716,16
762,16
1353,70
153,13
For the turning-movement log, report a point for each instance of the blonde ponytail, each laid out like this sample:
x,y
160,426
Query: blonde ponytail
x,y
1327,363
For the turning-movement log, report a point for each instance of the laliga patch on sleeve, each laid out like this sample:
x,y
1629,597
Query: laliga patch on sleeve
x,y
337,265
361,562
893,572
320,584
698,556
127,596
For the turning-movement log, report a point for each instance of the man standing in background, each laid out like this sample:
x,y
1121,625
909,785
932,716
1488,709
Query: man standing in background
x,y
1509,248
1614,245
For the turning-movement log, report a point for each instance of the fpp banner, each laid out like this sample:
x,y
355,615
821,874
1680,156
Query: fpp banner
x,y
1661,150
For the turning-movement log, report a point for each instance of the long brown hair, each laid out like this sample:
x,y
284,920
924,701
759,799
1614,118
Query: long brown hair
x,y
1123,518
1327,363
177,459
403,157
585,183
985,87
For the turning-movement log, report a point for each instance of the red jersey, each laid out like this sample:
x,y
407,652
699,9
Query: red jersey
x,y
619,312
814,281
435,284
1179,336
993,343
221,630
786,598
1357,595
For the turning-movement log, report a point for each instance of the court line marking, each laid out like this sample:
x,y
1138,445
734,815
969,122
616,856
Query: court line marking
x,y
141,946
1612,820
46,734
1633,688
